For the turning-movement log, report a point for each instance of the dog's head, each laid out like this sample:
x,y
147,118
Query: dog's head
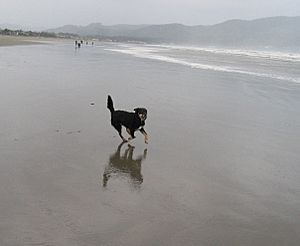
x,y
142,113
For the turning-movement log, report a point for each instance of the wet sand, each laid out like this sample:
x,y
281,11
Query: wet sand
x,y
221,166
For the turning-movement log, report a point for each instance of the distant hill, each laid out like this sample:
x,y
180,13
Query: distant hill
x,y
271,32
97,29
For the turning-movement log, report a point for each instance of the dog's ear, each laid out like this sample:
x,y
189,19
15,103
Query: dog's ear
x,y
136,110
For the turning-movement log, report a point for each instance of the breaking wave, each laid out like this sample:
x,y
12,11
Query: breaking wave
x,y
152,52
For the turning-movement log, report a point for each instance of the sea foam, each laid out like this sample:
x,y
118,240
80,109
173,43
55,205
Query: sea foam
x,y
153,52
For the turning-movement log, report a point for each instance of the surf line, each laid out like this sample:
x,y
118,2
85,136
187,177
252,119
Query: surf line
x,y
146,55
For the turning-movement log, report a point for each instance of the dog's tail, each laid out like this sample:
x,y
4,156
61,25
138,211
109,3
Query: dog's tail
x,y
110,104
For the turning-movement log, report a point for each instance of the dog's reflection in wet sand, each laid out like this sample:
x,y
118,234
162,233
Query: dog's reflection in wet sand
x,y
124,165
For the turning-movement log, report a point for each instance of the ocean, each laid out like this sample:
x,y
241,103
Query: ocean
x,y
265,64
221,166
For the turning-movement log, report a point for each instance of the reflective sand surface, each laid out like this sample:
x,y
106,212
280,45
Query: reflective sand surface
x,y
221,166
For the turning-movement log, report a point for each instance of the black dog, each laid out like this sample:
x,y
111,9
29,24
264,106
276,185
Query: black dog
x,y
132,121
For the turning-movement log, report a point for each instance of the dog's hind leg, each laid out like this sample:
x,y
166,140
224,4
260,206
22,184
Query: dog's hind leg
x,y
118,127
131,133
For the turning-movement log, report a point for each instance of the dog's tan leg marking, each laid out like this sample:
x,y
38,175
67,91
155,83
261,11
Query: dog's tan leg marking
x,y
144,134
146,137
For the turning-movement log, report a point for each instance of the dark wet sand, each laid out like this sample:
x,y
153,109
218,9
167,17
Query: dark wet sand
x,y
221,166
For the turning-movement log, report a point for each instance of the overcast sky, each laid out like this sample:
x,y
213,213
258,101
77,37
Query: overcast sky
x,y
54,13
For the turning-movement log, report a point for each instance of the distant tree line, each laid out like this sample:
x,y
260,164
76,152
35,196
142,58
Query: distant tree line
x,y
9,32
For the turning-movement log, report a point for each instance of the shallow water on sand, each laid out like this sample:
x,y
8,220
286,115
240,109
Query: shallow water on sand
x,y
221,166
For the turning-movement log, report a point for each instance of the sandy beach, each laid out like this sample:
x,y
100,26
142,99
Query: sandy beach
x,y
221,166
22,40
14,40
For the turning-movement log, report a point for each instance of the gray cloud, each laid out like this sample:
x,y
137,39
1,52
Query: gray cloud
x,y
52,13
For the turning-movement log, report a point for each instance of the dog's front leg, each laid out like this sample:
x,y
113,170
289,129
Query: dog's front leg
x,y
145,134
